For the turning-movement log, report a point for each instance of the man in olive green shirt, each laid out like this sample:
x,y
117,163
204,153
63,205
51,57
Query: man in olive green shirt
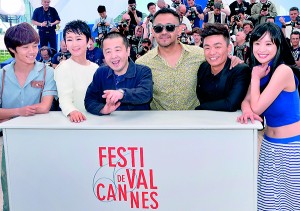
x,y
174,65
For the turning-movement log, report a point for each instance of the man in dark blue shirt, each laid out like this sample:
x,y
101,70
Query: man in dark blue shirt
x,y
94,54
122,84
220,88
194,13
46,18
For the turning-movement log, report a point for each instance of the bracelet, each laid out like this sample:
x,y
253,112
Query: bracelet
x,y
283,26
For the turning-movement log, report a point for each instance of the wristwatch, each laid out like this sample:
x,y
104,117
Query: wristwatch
x,y
122,91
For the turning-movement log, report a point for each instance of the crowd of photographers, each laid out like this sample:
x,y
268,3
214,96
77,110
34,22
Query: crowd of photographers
x,y
240,17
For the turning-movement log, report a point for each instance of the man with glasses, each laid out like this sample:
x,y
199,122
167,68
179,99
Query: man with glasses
x,y
174,65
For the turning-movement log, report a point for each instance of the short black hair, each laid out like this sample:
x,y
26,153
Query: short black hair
x,y
78,27
115,34
101,9
296,32
215,29
146,40
150,4
131,2
294,8
18,35
166,11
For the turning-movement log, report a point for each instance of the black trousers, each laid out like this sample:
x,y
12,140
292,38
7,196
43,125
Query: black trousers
x,y
48,36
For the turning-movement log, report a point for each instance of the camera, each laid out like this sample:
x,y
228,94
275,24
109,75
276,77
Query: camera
x,y
175,4
133,7
210,4
183,38
193,13
150,18
143,50
122,24
48,24
237,18
265,6
297,20
133,40
102,23
64,56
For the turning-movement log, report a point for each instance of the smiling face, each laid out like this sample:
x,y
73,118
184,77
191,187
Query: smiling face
x,y
166,38
116,55
264,49
77,44
294,14
295,39
26,54
216,51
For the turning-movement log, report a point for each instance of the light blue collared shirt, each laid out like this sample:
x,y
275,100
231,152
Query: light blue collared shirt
x,y
15,96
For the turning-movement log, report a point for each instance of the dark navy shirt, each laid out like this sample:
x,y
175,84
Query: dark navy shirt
x,y
40,15
95,55
224,91
136,82
197,21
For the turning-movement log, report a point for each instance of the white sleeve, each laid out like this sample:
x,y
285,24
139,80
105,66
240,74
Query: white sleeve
x,y
64,83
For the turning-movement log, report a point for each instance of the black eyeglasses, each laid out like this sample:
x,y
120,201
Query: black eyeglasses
x,y
169,27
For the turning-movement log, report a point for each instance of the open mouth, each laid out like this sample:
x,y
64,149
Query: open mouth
x,y
263,56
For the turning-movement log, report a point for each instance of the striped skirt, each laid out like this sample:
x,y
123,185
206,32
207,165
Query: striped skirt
x,y
278,182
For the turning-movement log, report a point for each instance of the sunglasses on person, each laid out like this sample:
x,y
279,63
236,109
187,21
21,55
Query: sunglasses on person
x,y
169,27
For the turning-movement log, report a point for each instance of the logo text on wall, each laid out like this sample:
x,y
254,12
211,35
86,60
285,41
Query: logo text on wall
x,y
123,177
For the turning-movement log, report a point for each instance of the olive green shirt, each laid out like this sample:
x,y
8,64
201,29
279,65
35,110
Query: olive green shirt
x,y
174,88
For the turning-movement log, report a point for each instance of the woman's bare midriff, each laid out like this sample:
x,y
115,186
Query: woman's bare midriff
x,y
284,131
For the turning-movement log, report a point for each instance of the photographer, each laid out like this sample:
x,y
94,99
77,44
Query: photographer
x,y
144,47
46,55
295,46
103,24
237,5
162,4
293,25
215,16
46,18
94,54
63,54
262,10
182,35
124,25
148,21
194,13
181,11
210,7
135,41
135,15
248,28
175,3
237,21
241,49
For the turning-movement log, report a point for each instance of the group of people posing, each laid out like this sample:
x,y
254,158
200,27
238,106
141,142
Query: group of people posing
x,y
172,76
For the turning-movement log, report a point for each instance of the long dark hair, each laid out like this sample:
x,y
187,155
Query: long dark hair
x,y
283,54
